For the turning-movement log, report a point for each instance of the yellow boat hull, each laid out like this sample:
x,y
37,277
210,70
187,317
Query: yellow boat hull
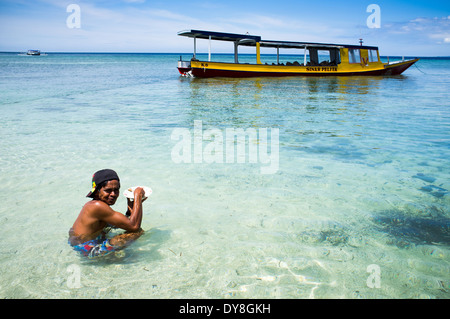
x,y
219,69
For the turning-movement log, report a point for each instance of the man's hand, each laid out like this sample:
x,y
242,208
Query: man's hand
x,y
139,193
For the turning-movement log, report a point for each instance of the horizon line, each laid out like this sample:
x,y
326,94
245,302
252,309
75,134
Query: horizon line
x,y
205,53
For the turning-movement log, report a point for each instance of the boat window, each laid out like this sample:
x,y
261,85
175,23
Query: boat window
x,y
324,56
328,57
313,56
354,56
373,56
335,58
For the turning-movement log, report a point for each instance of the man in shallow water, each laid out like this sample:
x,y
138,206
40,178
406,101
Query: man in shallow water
x,y
88,233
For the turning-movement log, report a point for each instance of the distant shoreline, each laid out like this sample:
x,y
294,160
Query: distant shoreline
x,y
205,53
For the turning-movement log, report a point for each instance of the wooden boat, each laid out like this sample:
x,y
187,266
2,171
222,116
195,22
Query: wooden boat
x,y
319,59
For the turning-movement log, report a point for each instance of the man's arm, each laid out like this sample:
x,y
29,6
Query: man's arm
x,y
105,213
136,210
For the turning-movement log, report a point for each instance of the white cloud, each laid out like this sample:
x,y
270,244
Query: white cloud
x,y
421,36
422,30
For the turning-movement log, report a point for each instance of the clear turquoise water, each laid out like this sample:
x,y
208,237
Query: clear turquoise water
x,y
363,180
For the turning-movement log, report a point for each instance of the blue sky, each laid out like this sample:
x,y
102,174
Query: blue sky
x,y
413,28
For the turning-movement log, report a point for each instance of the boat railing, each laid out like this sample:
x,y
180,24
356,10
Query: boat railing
x,y
184,64
395,62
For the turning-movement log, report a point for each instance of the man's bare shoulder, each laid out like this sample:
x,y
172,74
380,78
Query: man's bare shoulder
x,y
97,207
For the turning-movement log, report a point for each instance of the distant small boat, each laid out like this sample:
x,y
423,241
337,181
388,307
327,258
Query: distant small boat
x,y
33,52
341,59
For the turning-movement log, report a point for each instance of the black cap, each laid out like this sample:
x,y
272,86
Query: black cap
x,y
100,177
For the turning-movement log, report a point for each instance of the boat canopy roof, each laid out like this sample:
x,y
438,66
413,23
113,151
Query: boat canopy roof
x,y
218,35
250,40
293,45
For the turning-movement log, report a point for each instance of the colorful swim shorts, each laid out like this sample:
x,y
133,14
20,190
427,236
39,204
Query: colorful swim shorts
x,y
97,247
